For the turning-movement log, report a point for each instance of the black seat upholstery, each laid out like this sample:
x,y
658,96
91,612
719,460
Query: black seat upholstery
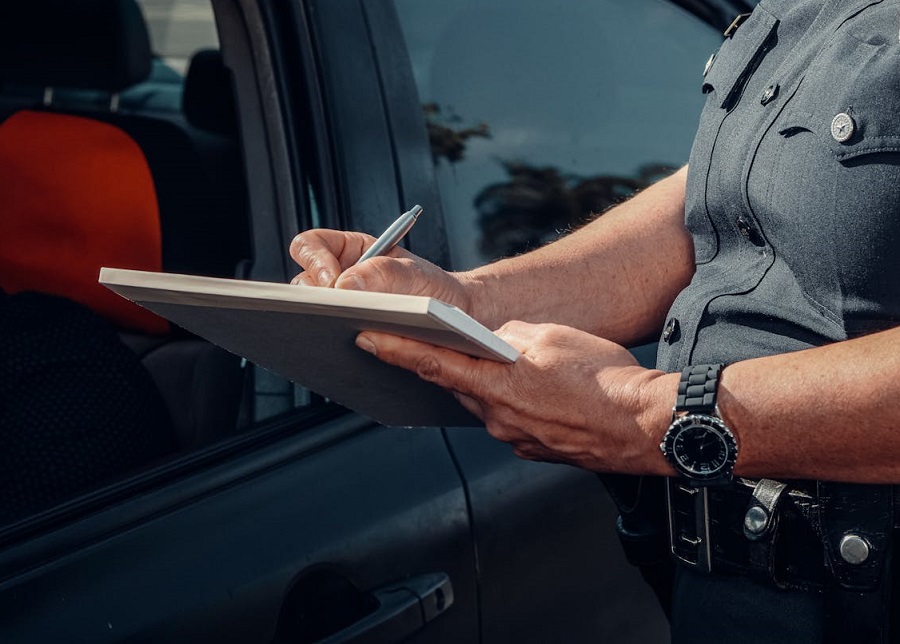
x,y
90,44
209,108
77,409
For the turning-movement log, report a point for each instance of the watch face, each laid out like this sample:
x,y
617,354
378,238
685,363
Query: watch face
x,y
701,447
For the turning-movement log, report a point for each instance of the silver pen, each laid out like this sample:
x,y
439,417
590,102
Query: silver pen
x,y
392,236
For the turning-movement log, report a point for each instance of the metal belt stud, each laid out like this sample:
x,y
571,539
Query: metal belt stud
x,y
756,521
760,516
854,549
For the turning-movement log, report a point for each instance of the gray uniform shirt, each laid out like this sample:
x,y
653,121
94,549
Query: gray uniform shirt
x,y
793,195
793,202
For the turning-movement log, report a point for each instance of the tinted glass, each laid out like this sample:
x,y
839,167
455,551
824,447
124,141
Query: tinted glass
x,y
178,28
105,400
541,114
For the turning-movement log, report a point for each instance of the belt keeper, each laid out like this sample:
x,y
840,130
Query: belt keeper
x,y
760,519
761,525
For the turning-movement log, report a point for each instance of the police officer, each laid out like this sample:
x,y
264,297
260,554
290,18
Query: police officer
x,y
771,266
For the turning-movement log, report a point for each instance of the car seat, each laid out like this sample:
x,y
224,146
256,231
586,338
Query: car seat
x,y
209,109
86,188
77,408
210,238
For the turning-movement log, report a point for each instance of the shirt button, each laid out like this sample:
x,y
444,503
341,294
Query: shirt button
x,y
842,127
709,64
670,333
769,95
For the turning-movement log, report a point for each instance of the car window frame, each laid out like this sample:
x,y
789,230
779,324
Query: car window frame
x,y
273,207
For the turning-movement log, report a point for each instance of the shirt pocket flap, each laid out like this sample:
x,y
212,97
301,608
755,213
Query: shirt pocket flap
x,y
739,56
855,118
848,134
854,108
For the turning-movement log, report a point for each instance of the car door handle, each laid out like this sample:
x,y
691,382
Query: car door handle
x,y
402,609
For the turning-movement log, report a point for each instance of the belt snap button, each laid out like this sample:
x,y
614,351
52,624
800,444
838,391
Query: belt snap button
x,y
769,95
743,226
756,520
854,549
842,127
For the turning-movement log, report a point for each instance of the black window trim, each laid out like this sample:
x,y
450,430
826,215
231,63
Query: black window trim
x,y
718,13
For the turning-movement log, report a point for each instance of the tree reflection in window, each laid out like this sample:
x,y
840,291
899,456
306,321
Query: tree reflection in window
x,y
447,143
536,204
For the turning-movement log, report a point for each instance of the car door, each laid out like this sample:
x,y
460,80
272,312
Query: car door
x,y
308,523
313,522
541,117
548,562
543,534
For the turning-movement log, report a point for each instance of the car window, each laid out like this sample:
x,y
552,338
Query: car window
x,y
178,28
115,393
541,115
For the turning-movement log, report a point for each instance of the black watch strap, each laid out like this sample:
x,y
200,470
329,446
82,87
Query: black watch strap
x,y
697,389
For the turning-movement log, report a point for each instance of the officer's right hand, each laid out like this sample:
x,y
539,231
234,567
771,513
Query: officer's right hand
x,y
327,258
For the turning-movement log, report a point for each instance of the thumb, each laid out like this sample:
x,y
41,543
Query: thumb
x,y
350,281
384,274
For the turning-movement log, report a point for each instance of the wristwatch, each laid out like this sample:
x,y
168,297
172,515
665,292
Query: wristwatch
x,y
698,444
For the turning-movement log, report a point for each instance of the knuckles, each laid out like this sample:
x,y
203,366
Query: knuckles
x,y
536,335
305,249
552,335
528,451
297,244
390,274
428,368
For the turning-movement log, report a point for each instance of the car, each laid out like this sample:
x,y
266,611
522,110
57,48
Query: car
x,y
280,516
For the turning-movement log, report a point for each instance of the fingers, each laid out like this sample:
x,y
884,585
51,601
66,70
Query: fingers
x,y
324,254
470,404
328,258
532,451
479,385
394,273
446,368
523,334
517,333
303,279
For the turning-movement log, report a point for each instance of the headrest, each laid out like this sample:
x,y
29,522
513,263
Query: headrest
x,y
77,195
208,99
78,44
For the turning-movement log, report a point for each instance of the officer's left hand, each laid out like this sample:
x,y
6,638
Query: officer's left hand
x,y
570,397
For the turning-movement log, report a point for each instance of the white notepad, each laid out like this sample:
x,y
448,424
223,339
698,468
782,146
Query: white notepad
x,y
306,334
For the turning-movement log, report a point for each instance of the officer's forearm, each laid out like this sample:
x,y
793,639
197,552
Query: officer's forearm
x,y
616,277
827,413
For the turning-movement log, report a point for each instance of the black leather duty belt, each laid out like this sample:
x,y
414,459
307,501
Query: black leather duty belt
x,y
834,538
759,529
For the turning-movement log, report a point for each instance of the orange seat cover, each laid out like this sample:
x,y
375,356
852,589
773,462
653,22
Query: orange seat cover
x,y
75,195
